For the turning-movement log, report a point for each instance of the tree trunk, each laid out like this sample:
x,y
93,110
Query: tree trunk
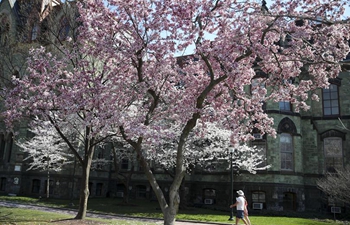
x,y
170,216
84,190
48,184
169,209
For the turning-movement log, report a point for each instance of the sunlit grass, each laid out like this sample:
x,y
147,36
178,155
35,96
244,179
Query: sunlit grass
x,y
33,217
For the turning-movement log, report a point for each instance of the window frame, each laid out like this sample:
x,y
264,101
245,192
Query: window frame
x,y
141,191
340,156
124,164
285,106
284,152
331,99
258,200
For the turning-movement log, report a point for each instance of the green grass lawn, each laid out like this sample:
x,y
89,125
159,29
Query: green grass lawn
x,y
145,208
33,217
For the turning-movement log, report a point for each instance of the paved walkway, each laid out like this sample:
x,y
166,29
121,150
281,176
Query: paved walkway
x,y
101,215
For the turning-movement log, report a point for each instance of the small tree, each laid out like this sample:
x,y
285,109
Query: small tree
x,y
46,151
336,184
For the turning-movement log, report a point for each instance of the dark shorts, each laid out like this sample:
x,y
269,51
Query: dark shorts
x,y
240,214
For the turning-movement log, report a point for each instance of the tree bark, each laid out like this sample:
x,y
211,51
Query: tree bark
x,y
84,188
48,184
170,216
169,210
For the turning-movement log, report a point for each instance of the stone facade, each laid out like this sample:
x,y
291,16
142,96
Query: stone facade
x,y
291,188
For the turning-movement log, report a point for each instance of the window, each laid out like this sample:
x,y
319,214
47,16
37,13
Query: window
x,y
141,191
285,106
99,187
3,184
333,149
258,197
286,148
35,32
331,101
124,164
64,29
36,186
289,201
209,193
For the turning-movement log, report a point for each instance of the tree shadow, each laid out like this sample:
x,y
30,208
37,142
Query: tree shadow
x,y
9,219
5,218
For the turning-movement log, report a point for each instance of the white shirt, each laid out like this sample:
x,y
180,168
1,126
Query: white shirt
x,y
241,203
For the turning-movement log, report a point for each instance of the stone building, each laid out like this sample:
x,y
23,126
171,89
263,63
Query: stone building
x,y
308,144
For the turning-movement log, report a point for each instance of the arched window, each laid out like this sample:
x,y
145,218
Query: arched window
x,y
287,130
64,29
35,32
286,148
333,150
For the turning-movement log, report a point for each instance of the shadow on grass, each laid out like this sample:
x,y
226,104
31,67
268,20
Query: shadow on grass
x,y
5,218
73,221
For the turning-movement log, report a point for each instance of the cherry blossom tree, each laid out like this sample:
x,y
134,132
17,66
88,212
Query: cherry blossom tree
x,y
125,74
46,151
